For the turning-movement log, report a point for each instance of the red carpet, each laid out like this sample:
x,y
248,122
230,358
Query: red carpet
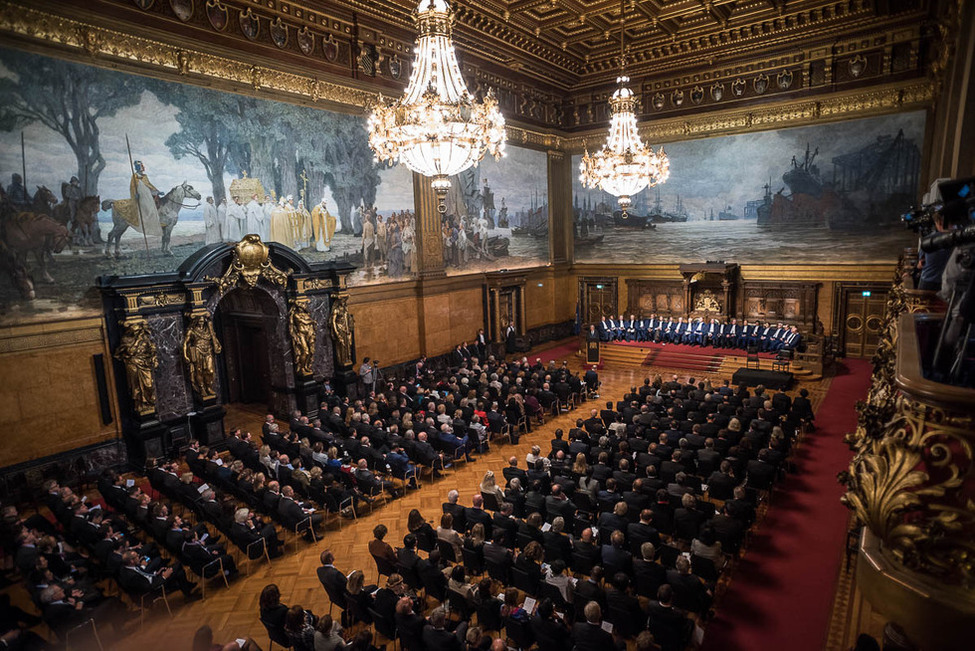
x,y
782,592
563,351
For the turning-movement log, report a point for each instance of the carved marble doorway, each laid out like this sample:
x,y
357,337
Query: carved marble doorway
x,y
247,322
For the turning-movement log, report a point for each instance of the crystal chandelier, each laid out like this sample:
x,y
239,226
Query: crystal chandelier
x,y
624,165
437,128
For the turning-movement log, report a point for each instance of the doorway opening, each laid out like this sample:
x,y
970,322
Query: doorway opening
x,y
247,320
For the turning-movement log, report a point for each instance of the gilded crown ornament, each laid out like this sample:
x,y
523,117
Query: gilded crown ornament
x,y
250,263
624,166
436,128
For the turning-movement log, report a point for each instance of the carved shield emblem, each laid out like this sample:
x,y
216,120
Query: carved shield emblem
x,y
306,40
395,67
330,48
182,8
677,97
858,65
761,83
738,87
717,91
658,101
697,95
250,25
784,79
217,14
143,4
279,32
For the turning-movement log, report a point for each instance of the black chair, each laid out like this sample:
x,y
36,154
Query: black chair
x,y
522,540
410,575
553,593
491,501
705,568
498,571
622,621
383,566
473,561
384,625
276,635
489,615
523,581
583,501
457,602
667,556
426,540
335,598
519,632
436,590
581,564
447,552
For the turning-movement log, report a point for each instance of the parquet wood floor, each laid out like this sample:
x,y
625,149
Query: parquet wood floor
x,y
233,612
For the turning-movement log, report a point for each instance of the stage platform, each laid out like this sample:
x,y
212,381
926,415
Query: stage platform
x,y
717,361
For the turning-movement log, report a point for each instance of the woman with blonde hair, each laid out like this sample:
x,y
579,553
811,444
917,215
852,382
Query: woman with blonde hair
x,y
581,465
489,484
359,596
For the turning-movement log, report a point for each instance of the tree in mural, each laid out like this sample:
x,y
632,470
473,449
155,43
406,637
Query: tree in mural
x,y
69,99
205,131
353,174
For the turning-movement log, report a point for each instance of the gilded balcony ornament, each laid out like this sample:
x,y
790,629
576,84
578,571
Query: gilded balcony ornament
x,y
910,491
250,263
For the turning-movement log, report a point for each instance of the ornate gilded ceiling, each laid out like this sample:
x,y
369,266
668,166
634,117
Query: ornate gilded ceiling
x,y
553,63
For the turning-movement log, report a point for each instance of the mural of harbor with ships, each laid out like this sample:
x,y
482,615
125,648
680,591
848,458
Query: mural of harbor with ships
x,y
805,195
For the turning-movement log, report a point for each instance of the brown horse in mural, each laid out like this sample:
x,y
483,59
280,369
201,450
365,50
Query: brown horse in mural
x,y
9,263
26,233
83,228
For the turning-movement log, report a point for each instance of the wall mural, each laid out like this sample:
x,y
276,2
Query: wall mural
x,y
822,194
497,214
205,167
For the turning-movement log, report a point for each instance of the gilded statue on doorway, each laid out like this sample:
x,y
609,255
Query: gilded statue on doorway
x,y
302,328
200,345
137,352
342,325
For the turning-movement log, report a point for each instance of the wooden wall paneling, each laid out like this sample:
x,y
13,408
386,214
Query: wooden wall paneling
x,y
791,302
646,297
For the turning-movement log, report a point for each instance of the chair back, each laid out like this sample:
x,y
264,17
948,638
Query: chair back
x,y
426,540
552,592
523,581
457,602
447,551
622,621
410,575
276,634
581,564
667,556
473,561
489,615
704,568
519,632
385,625
498,571
383,566
491,501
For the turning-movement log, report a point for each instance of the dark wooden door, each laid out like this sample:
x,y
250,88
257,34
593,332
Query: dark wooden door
x,y
863,316
255,372
599,299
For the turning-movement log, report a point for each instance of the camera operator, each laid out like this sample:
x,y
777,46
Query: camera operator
x,y
932,264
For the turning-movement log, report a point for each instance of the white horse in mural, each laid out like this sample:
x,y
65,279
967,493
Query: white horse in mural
x,y
124,214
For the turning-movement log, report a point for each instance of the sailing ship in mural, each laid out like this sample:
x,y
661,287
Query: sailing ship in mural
x,y
497,217
812,194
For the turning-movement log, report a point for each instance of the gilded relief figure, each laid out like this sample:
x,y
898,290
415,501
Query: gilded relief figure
x,y
342,324
200,344
302,337
137,352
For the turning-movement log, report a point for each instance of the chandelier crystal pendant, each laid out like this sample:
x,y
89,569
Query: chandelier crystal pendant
x,y
436,128
624,166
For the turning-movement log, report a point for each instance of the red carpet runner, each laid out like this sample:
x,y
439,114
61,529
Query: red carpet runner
x,y
782,592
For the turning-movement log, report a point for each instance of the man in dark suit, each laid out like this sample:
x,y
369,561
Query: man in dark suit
x,y
584,547
740,508
728,530
648,574
615,557
505,524
636,499
475,514
457,510
591,589
589,635
558,505
295,514
406,556
558,443
690,592
550,633
761,472
558,546
670,627
437,638
332,579
643,531
138,580
201,558
512,471
688,519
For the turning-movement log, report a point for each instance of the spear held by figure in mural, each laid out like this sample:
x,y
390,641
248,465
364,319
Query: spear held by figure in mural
x,y
138,206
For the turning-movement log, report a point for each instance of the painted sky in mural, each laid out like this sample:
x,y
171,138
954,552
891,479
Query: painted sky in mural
x,y
497,214
822,194
193,143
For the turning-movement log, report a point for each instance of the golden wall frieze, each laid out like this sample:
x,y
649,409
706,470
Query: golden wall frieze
x,y
161,300
898,97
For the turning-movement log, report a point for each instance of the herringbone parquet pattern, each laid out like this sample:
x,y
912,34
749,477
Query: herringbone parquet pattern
x,y
233,612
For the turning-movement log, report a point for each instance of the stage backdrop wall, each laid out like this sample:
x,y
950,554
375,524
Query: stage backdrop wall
x,y
829,193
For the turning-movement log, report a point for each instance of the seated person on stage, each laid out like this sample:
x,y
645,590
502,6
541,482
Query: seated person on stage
x,y
792,339
751,334
680,331
774,341
697,334
764,334
713,334
641,329
605,330
630,329
729,338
